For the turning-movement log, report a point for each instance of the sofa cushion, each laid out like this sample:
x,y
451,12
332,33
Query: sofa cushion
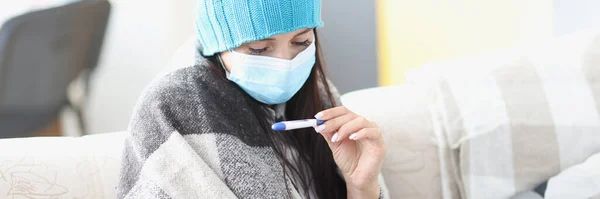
x,y
60,167
411,165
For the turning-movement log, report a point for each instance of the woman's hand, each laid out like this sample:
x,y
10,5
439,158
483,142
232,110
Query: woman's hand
x,y
357,147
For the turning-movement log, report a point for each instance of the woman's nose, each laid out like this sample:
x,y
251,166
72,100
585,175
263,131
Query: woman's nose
x,y
285,54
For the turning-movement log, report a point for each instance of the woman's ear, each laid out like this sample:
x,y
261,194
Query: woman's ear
x,y
224,59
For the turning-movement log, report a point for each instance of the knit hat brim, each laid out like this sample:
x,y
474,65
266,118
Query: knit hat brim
x,y
223,25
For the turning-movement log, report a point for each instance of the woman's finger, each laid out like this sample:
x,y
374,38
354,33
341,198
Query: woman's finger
x,y
371,134
332,113
334,124
371,140
351,127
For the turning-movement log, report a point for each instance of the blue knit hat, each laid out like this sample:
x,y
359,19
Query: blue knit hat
x,y
226,24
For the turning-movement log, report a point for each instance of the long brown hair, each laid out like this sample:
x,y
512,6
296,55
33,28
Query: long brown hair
x,y
312,148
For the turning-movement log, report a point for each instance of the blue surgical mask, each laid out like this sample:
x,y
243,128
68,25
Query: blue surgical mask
x,y
271,80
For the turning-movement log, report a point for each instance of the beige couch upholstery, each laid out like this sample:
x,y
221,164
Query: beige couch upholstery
x,y
65,167
411,167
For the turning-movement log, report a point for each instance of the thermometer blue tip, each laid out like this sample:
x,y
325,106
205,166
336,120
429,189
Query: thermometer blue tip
x,y
278,126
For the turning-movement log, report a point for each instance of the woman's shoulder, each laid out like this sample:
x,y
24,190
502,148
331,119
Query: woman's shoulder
x,y
187,86
197,78
191,92
193,100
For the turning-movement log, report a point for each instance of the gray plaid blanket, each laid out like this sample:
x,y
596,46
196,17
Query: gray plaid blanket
x,y
191,137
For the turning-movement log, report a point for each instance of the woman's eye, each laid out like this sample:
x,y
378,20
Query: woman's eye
x,y
256,51
304,43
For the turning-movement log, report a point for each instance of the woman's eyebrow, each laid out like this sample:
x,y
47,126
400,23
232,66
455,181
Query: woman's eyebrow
x,y
303,32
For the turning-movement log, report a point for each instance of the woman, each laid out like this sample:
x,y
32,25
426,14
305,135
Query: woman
x,y
204,131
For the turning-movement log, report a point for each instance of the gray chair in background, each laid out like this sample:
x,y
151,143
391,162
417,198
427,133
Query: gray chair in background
x,y
41,53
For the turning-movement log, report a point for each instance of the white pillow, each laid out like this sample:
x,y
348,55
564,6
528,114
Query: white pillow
x,y
513,123
580,181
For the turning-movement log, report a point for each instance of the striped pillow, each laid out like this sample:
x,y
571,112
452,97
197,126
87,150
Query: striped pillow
x,y
513,123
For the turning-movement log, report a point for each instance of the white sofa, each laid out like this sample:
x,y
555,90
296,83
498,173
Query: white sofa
x,y
88,167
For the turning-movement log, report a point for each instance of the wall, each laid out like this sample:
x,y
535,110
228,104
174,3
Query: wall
x,y
350,44
412,33
140,41
575,15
